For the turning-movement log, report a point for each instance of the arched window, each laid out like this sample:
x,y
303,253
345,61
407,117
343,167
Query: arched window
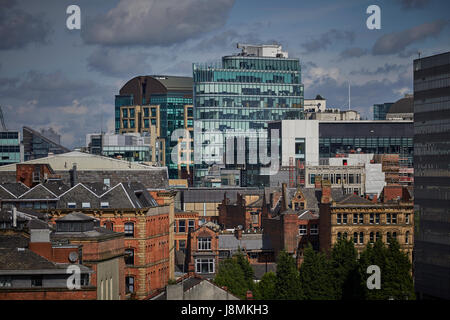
x,y
377,236
361,238
355,238
129,256
129,284
407,237
129,229
339,235
371,237
345,235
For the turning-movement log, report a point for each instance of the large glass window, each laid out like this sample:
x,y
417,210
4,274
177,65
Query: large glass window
x,y
181,225
129,229
204,243
204,265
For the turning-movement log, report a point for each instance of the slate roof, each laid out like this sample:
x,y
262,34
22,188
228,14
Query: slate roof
x,y
248,241
6,216
13,259
215,195
354,199
38,192
16,188
13,241
57,187
76,216
308,215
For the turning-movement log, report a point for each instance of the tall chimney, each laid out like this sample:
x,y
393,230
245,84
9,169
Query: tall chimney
x,y
73,175
326,192
285,201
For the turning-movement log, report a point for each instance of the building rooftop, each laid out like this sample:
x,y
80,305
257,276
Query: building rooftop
x,y
403,105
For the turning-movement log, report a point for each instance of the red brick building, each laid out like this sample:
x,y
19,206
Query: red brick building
x,y
248,216
203,250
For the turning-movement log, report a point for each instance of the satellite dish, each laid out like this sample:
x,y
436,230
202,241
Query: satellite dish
x,y
73,256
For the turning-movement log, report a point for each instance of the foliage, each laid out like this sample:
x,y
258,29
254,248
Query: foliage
x,y
344,264
316,276
266,288
288,279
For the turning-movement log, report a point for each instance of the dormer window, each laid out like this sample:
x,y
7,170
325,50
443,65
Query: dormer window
x,y
86,205
104,205
71,205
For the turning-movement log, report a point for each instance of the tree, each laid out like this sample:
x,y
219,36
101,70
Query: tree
x,y
316,276
344,264
231,275
266,288
246,269
395,267
288,281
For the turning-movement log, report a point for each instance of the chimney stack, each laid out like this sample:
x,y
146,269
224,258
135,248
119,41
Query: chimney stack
x,y
326,192
73,175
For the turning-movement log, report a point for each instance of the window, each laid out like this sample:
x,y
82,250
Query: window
x,y
361,238
104,205
204,265
302,229
86,205
372,218
388,237
355,218
5,281
344,218
371,237
204,243
394,218
377,236
191,225
407,218
129,256
339,218
109,225
388,218
182,245
175,226
377,218
406,239
345,235
129,229
361,218
181,225
129,284
36,281
355,238
339,236
394,235
71,205
314,229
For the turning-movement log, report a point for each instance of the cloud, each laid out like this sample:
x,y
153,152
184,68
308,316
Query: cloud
x,y
396,42
19,28
383,70
326,39
413,4
115,62
154,22
353,52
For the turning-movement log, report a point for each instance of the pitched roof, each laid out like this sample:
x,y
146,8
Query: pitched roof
x,y
354,199
255,241
39,191
13,241
23,259
15,189
75,216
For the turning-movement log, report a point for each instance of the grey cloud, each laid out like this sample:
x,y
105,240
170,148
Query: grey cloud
x,y
115,62
413,4
396,42
381,70
153,22
326,39
353,52
19,28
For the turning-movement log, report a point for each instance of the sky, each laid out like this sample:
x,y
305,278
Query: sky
x,y
51,76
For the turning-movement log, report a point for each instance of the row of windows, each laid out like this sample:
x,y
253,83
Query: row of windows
x,y
247,113
180,226
358,237
374,218
338,178
249,89
256,76
247,102
303,229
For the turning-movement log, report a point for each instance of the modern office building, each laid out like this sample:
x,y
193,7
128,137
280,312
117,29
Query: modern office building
x,y
164,103
311,142
136,147
36,145
11,150
237,98
432,175
380,110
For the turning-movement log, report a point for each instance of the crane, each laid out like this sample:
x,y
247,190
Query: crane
x,y
2,119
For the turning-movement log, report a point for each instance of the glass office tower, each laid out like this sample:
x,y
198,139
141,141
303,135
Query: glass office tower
x,y
380,110
239,97
10,147
171,96
432,175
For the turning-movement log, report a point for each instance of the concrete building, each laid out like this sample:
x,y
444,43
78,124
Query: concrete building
x,y
315,105
195,288
432,175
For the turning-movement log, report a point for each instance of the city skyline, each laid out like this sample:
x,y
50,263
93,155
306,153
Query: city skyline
x,y
67,79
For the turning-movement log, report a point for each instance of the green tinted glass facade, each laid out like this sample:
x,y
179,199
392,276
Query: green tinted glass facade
x,y
125,100
9,147
380,110
244,93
